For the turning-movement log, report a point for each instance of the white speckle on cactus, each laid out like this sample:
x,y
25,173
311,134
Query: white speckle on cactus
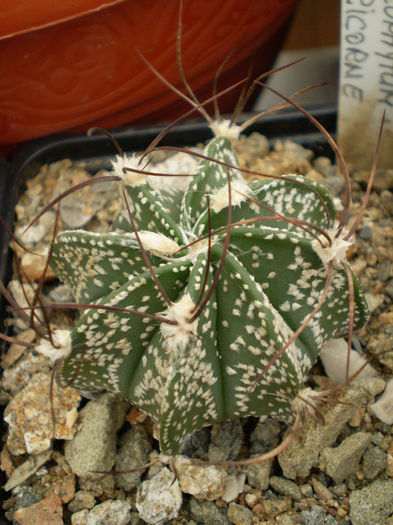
x,y
62,348
225,128
129,178
335,252
158,243
240,192
177,335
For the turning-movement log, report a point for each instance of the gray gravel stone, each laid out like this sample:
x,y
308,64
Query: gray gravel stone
x,y
344,460
258,475
372,504
94,444
159,499
225,441
374,462
133,453
286,487
207,513
82,500
111,512
302,454
317,516
265,436
239,515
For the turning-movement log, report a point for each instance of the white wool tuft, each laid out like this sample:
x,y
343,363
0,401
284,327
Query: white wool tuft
x,y
219,199
177,335
158,243
225,128
62,340
128,177
337,252
309,395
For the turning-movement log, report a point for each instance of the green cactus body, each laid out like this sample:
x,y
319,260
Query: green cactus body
x,y
187,373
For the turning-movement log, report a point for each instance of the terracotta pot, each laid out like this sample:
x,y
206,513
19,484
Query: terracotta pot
x,y
70,64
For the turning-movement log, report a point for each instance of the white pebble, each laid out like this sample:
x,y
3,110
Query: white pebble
x,y
334,359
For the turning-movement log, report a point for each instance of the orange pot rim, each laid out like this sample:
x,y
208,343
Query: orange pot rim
x,y
12,25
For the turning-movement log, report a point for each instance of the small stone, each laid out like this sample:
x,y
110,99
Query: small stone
x,y
265,436
225,441
366,232
239,515
48,511
374,462
26,469
343,461
321,491
286,487
111,512
258,475
15,350
202,481
159,499
289,518
33,266
383,408
234,486
306,490
303,452
275,506
61,294
82,500
372,504
316,516
30,419
80,517
94,445
334,359
133,452
207,512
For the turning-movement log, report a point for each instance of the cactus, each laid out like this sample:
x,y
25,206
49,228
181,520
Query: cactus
x,y
210,303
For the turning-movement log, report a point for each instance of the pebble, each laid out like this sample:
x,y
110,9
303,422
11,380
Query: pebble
x,y
344,460
303,452
286,487
321,490
111,512
20,375
234,485
372,504
82,500
275,506
26,469
258,475
48,511
94,445
133,452
225,441
317,516
334,359
288,518
30,420
265,436
383,408
15,350
374,462
239,515
207,512
33,266
159,499
201,481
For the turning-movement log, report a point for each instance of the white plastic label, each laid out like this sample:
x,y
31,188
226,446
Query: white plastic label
x,y
366,81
